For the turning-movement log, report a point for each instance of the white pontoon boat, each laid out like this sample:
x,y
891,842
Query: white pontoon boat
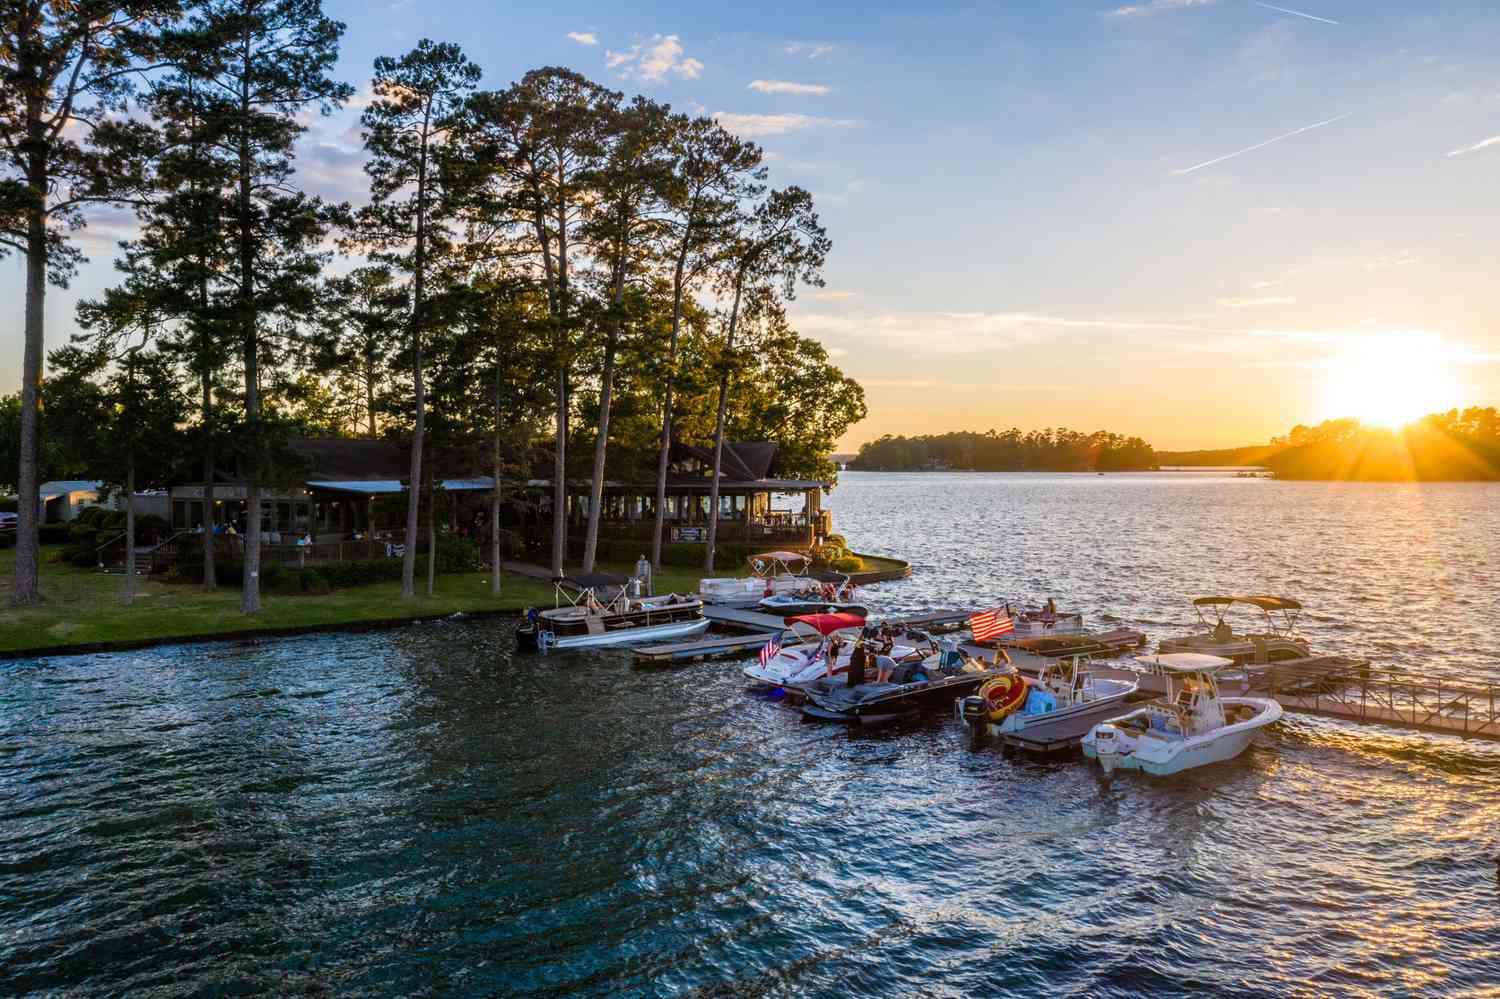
x,y
598,609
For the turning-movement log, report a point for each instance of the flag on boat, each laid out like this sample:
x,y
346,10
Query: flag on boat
x,y
991,624
769,650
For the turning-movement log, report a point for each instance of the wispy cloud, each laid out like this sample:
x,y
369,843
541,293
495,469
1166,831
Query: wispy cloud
x,y
1493,140
1294,13
1390,261
827,296
654,60
1261,145
1156,7
584,37
1256,303
813,50
1263,285
788,87
752,126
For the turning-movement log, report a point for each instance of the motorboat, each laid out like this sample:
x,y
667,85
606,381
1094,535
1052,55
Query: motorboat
x,y
930,684
599,609
771,573
790,605
1057,708
1103,644
1275,641
1192,726
823,646
1044,622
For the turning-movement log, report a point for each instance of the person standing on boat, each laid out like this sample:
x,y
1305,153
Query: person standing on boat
x,y
857,663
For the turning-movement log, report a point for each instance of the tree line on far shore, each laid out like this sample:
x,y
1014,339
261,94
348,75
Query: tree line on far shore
x,y
538,271
1051,450
1461,445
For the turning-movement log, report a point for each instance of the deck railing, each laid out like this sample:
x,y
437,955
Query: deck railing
x,y
1385,696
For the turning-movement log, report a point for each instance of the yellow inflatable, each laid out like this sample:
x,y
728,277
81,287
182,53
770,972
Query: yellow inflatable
x,y
1003,695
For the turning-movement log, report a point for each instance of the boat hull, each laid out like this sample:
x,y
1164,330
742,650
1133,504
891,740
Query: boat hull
x,y
1068,724
878,703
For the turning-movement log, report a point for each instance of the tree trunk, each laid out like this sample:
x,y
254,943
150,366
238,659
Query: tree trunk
x,y
419,427
210,581
560,473
666,411
431,532
414,489
28,488
495,500
250,592
601,444
713,486
370,398
127,595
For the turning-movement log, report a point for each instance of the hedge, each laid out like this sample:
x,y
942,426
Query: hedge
x,y
454,555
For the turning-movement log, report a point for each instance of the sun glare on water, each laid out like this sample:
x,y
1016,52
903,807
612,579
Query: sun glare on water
x,y
1392,380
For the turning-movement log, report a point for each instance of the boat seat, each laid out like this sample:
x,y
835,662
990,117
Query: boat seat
x,y
596,626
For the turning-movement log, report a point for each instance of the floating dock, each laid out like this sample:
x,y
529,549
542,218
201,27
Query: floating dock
x,y
763,628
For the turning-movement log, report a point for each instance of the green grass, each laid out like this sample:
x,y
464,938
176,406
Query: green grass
x,y
81,607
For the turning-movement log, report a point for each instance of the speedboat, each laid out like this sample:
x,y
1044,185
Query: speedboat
x,y
1191,727
771,573
588,614
789,605
1276,641
932,683
1059,706
824,647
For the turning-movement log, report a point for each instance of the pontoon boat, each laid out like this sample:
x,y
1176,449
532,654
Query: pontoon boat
x,y
1277,642
587,613
771,573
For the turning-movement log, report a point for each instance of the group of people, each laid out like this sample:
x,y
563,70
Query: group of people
x,y
872,649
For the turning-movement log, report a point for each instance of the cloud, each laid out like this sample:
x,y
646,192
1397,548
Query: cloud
x,y
1156,7
584,37
1390,262
653,61
753,126
828,296
813,50
1256,303
953,334
1262,285
787,87
1493,140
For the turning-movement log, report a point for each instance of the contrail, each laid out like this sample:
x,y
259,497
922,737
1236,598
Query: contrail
x,y
1262,145
1294,13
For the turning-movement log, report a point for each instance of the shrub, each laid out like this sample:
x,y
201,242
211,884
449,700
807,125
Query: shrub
x,y
362,572
838,540
56,534
312,581
848,563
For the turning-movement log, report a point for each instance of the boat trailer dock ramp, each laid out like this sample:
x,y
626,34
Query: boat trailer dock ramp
x,y
764,627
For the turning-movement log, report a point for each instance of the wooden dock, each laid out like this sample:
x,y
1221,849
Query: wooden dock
x,y
1385,697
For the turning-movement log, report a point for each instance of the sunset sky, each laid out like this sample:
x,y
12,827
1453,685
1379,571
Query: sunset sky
x,y
1199,221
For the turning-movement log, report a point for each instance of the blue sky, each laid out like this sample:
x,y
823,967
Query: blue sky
x,y
1020,237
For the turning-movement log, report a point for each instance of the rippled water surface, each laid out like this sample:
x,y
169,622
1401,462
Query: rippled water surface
x,y
420,812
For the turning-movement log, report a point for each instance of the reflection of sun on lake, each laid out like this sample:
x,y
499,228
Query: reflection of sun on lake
x,y
1391,380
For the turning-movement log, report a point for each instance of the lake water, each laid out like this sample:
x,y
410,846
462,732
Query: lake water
x,y
418,812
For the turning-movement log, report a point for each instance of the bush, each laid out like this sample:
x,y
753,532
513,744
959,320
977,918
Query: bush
x,y
838,540
56,534
848,563
360,573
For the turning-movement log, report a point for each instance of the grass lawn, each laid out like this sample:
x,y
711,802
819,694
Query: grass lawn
x,y
80,606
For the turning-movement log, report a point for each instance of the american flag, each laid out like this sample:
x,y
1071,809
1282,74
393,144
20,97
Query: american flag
x,y
990,624
768,651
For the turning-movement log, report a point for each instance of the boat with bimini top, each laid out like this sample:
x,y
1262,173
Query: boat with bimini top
x,y
600,609
1192,726
1276,641
771,574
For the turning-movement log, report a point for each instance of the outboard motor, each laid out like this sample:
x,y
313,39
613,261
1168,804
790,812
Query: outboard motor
x,y
526,634
974,712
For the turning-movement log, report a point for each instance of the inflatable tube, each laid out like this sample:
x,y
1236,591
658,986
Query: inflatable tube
x,y
1003,695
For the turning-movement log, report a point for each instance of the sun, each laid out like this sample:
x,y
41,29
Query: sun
x,y
1389,380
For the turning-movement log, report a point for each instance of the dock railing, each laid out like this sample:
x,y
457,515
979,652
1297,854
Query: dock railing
x,y
1385,696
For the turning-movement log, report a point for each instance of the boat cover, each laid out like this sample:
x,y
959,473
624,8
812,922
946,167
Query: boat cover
x,y
592,580
827,624
1264,603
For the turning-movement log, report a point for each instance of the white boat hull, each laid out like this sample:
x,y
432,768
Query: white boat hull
x,y
624,636
1064,723
1153,753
